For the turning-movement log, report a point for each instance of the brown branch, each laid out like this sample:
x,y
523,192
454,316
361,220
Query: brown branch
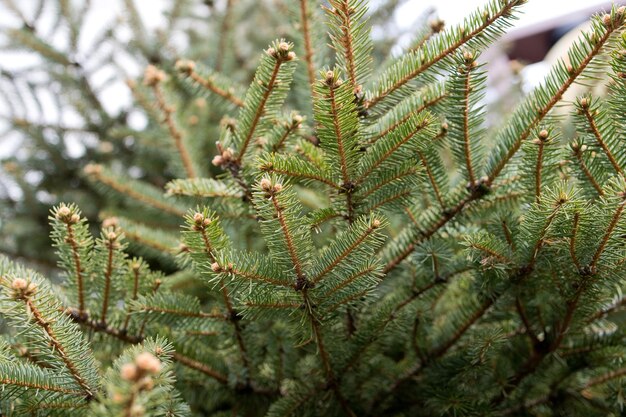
x,y
201,367
210,85
308,49
224,29
466,128
126,190
176,134
344,11
5,380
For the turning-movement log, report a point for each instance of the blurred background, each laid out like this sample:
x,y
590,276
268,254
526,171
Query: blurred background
x,y
67,95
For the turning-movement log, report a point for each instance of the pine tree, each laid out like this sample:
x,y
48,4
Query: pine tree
x,y
382,251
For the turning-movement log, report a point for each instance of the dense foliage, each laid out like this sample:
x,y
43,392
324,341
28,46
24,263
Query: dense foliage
x,y
383,251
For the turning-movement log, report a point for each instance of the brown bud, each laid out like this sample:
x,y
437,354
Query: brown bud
x,y
215,267
147,362
129,372
198,218
110,222
584,103
265,184
375,224
291,56
63,213
278,187
92,169
271,52
543,135
606,20
19,284
185,66
217,160
283,46
112,236
152,76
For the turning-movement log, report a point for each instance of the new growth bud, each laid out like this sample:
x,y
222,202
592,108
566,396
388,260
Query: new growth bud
x,y
185,66
153,76
148,363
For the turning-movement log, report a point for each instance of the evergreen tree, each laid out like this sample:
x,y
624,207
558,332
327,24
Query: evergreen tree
x,y
381,252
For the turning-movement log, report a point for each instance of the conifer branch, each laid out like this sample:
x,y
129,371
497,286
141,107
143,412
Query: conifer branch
x,y
110,245
429,102
466,116
308,48
188,68
593,127
338,134
224,32
572,242
543,136
98,173
561,82
69,221
434,27
423,61
608,233
578,153
200,367
24,293
153,78
280,54
432,180
288,239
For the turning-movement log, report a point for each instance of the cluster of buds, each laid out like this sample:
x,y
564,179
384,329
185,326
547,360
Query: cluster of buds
x,y
267,186
332,80
141,370
22,288
282,52
200,221
577,148
224,158
185,66
67,216
610,21
296,120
